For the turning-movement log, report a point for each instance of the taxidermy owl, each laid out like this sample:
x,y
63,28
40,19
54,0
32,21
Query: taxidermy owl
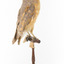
x,y
26,19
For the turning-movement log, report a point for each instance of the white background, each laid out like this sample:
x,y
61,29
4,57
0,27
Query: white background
x,y
49,28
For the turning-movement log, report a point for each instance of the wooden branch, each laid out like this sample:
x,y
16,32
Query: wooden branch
x,y
32,39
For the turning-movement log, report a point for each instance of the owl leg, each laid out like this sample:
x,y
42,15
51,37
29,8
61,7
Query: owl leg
x,y
28,33
31,43
31,31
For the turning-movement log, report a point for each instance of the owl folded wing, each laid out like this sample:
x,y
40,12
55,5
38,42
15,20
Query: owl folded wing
x,y
26,17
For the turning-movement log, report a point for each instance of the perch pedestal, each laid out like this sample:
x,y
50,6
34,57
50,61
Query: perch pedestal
x,y
34,40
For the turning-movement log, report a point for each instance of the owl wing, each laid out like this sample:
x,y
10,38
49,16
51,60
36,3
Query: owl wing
x,y
26,17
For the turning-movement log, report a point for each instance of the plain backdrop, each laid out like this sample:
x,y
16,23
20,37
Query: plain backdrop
x,y
49,28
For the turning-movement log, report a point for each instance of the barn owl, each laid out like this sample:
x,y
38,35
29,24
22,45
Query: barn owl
x,y
26,18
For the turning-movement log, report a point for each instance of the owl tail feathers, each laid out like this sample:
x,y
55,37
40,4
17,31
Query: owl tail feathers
x,y
15,38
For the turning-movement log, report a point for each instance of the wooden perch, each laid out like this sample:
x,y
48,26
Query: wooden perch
x,y
34,40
